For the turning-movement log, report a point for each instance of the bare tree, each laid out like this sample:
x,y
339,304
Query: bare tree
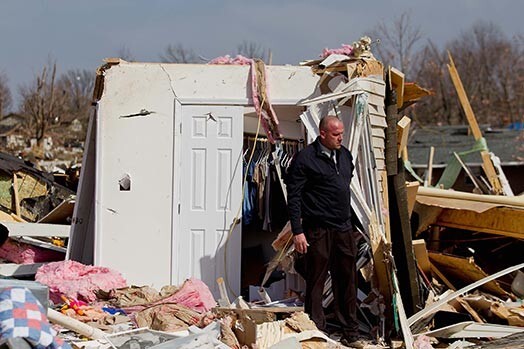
x,y
253,50
397,42
125,53
42,103
77,85
179,54
5,95
491,68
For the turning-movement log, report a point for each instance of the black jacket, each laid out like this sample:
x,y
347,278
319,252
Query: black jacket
x,y
318,190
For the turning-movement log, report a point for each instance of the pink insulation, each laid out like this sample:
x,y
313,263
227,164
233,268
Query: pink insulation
x,y
344,50
20,253
195,295
238,60
76,280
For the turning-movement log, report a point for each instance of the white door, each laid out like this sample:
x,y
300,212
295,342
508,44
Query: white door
x,y
210,185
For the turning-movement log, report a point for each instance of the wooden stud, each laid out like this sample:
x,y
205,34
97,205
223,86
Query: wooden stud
x,y
487,164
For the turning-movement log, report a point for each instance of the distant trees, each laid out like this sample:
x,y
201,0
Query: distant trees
x,y
397,42
251,49
125,53
42,103
491,67
5,95
77,85
49,103
179,54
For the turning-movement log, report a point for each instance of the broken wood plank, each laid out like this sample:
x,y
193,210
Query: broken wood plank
x,y
487,164
412,189
421,254
413,92
504,221
402,134
442,277
434,306
397,82
464,269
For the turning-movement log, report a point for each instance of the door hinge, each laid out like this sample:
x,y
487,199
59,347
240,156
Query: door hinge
x,y
178,208
180,128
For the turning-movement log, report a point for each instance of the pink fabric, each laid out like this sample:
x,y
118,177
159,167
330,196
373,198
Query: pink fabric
x,y
238,60
20,253
344,50
76,280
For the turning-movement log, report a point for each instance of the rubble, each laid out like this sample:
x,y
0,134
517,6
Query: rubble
x,y
437,265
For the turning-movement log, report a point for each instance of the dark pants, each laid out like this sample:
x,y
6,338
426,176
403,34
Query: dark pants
x,y
334,251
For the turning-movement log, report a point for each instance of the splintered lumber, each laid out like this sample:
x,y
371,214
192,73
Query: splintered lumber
x,y
397,82
465,270
412,189
421,253
502,221
402,134
434,306
464,101
413,92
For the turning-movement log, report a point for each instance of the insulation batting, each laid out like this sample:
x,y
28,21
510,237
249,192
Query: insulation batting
x,y
344,50
76,280
195,295
20,253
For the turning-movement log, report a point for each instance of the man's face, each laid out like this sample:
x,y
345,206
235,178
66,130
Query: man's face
x,y
331,136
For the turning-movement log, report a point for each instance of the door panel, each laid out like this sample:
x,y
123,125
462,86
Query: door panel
x,y
210,195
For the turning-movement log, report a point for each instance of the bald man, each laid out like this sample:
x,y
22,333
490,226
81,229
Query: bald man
x,y
320,214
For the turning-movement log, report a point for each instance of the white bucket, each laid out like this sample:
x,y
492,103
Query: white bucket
x,y
517,286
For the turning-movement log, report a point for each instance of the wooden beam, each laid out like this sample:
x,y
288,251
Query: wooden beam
x,y
502,221
487,164
465,270
442,277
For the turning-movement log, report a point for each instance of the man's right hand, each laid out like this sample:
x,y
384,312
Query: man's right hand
x,y
300,243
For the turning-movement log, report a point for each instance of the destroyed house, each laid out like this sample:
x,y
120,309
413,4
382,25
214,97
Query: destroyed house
x,y
506,144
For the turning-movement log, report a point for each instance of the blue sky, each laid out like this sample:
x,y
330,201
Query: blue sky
x,y
79,34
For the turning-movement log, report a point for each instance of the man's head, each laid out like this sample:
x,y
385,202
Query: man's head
x,y
331,132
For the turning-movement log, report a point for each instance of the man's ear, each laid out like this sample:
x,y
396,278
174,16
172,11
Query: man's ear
x,y
322,134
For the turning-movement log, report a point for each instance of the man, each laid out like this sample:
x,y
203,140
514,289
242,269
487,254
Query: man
x,y
320,215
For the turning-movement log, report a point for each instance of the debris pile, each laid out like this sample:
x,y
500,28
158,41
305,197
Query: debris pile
x,y
438,266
